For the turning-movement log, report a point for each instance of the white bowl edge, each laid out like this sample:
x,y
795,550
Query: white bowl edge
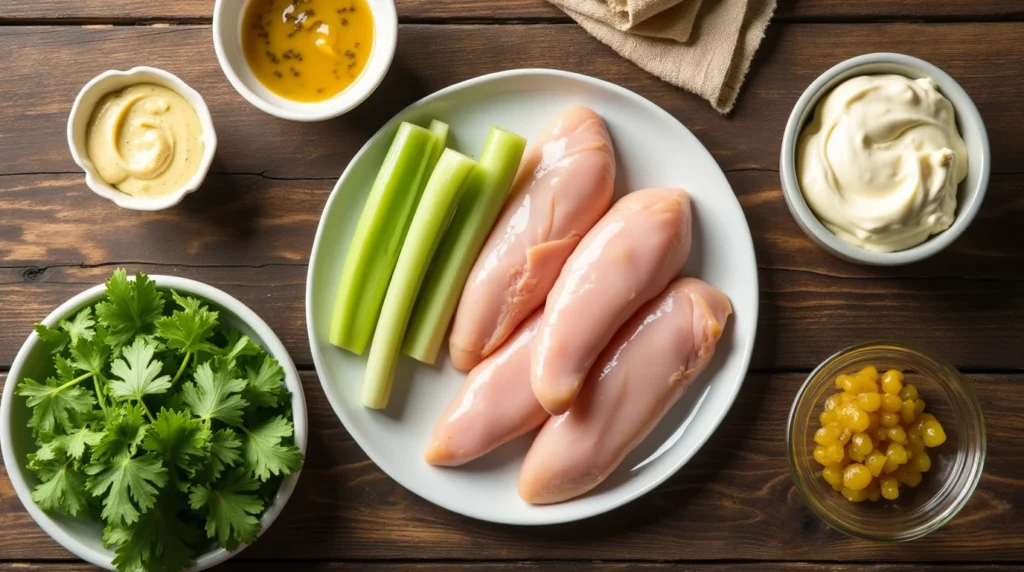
x,y
16,470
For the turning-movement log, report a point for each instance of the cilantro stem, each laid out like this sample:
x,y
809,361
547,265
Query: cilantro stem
x,y
101,396
146,411
75,381
181,369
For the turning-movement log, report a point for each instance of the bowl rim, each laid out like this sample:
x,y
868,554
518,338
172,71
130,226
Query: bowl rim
x,y
385,17
218,297
963,496
81,156
967,113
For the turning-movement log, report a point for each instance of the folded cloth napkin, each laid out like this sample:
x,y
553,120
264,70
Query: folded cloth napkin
x,y
712,63
674,20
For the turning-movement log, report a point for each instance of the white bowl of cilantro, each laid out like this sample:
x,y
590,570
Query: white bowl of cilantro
x,y
153,424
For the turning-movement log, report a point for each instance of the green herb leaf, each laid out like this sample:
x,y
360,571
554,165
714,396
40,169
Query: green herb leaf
x,y
231,514
57,339
125,430
90,354
80,327
263,386
263,452
62,486
137,374
160,541
124,480
225,451
53,403
180,439
74,443
131,307
188,329
214,395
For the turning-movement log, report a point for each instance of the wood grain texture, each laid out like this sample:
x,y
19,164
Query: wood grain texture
x,y
489,10
735,500
252,237
528,566
33,114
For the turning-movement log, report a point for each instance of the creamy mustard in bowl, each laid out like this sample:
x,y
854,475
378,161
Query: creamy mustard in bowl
x,y
145,140
880,162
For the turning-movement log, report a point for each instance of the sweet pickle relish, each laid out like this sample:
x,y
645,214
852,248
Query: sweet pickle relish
x,y
874,436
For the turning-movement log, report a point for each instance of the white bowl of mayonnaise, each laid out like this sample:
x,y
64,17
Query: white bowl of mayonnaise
x,y
144,138
885,160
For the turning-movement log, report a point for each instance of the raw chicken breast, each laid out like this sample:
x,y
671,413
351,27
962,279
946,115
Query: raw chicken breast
x,y
563,187
625,260
494,406
650,363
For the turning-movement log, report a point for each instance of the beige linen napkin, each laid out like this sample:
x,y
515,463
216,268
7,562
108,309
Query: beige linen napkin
x,y
712,63
674,20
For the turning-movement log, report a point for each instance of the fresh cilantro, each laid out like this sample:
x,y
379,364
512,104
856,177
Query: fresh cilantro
x,y
80,327
57,339
224,453
124,480
138,374
131,307
215,395
231,507
188,329
180,439
54,403
263,386
265,455
62,487
165,486
125,430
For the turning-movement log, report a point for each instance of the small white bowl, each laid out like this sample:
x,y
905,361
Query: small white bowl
x,y
82,535
114,80
970,193
227,40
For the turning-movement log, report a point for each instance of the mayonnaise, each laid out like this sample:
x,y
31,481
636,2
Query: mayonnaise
x,y
145,140
880,162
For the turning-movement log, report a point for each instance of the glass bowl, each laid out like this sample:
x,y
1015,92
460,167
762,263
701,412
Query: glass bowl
x,y
956,464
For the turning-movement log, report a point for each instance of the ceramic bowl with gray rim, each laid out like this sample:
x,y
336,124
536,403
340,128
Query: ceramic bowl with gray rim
x,y
970,192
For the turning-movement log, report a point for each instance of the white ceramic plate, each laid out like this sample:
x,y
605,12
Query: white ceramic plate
x,y
653,149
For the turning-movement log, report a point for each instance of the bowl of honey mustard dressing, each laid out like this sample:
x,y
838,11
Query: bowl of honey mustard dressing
x,y
305,60
144,138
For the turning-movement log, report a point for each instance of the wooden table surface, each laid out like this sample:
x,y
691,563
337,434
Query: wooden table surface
x,y
250,229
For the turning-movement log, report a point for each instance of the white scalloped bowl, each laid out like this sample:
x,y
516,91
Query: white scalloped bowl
x,y
111,81
81,535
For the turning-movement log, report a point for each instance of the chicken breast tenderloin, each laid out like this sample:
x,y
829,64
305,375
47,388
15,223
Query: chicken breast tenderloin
x,y
625,260
643,372
494,406
563,187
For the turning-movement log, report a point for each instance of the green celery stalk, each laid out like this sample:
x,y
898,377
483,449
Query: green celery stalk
x,y
486,193
435,210
440,131
378,237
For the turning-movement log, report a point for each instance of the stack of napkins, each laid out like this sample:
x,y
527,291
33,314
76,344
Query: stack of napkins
x,y
703,46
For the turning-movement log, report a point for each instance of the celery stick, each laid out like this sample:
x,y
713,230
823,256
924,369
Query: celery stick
x,y
432,216
440,131
378,236
481,202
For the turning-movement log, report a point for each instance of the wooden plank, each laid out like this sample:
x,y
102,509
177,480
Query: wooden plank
x,y
243,565
252,237
735,500
33,112
487,10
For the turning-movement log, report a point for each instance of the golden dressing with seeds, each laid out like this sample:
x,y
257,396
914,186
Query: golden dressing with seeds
x,y
307,50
